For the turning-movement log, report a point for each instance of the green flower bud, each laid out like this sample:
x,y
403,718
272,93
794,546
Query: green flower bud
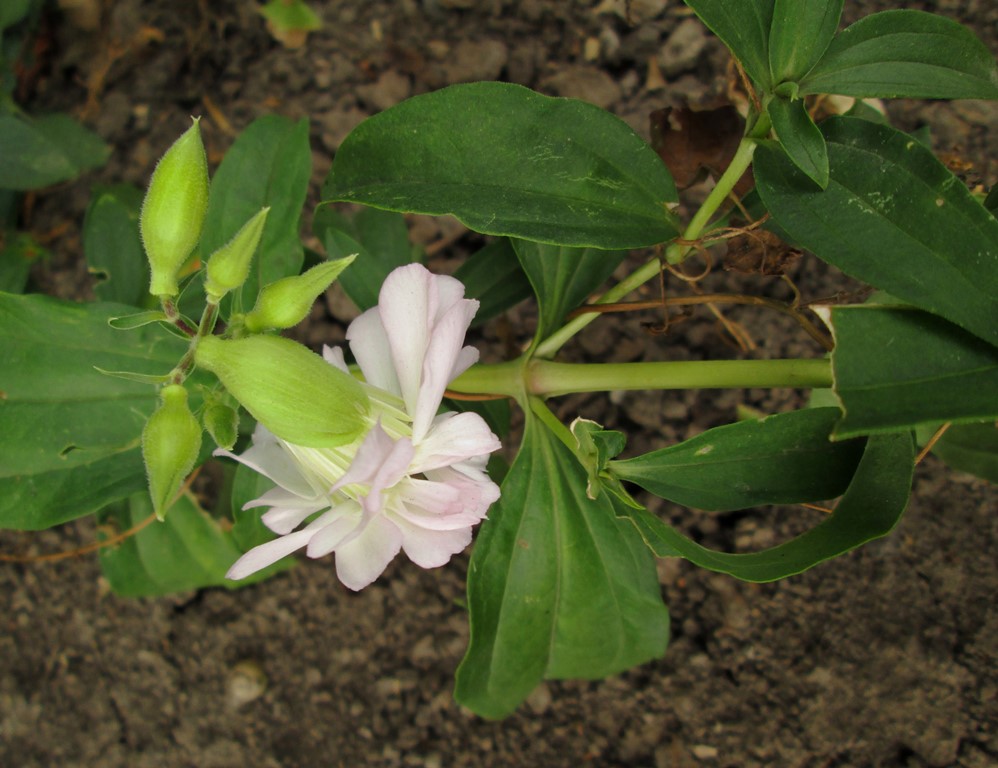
x,y
222,423
171,440
229,266
174,209
286,302
289,389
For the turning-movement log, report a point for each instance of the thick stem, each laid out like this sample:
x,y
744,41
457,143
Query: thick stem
x,y
548,379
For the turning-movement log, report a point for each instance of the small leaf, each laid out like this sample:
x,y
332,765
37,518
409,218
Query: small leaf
x,y
905,54
971,448
493,275
801,32
508,161
188,550
380,239
783,459
871,507
899,368
743,26
136,319
45,150
563,277
800,138
892,216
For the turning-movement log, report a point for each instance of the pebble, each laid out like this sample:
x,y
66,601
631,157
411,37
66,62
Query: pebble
x,y
586,83
474,60
247,682
682,48
389,89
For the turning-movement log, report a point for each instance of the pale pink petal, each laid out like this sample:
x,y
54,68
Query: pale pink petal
x,y
281,497
283,520
454,437
467,357
431,549
260,557
380,463
434,506
478,493
336,531
334,356
370,347
363,558
268,456
407,303
441,357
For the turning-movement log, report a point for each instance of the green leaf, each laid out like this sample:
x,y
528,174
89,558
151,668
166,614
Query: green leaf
x,y
563,277
743,26
971,448
379,238
899,368
290,14
12,11
557,586
871,508
19,252
269,165
508,161
70,434
783,459
112,246
892,216
800,138
188,550
800,33
45,150
905,54
493,275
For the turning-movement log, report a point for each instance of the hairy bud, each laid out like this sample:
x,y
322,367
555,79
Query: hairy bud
x,y
171,440
173,210
229,266
286,302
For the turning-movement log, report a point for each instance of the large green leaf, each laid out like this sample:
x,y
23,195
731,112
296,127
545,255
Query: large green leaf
x,y
801,32
899,368
743,26
508,161
871,508
379,238
905,54
782,459
70,435
188,550
112,246
493,275
563,277
558,587
41,151
892,216
269,165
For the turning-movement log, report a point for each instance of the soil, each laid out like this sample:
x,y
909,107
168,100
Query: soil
x,y
885,657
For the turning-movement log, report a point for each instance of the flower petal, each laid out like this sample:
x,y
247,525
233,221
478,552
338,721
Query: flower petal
x,y
347,516
454,437
407,305
380,463
260,557
283,520
334,356
363,558
268,456
431,549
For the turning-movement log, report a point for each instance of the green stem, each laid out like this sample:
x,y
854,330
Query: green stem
x,y
548,379
675,252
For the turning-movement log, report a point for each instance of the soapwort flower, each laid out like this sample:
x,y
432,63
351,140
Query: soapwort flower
x,y
416,479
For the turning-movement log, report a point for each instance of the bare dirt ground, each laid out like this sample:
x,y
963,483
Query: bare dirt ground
x,y
885,657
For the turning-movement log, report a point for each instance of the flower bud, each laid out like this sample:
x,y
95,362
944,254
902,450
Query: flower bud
x,y
171,440
222,423
174,209
288,388
286,302
228,267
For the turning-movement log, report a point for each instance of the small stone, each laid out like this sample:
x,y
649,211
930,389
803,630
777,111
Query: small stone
x,y
387,91
337,123
683,47
586,83
539,700
703,751
247,682
474,60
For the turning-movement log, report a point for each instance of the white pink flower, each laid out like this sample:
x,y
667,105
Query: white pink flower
x,y
416,481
